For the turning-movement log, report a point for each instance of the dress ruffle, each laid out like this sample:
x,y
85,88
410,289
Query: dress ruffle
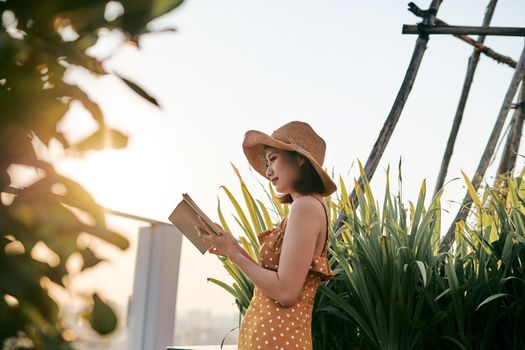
x,y
321,265
261,236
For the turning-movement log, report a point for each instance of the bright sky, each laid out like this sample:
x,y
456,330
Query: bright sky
x,y
232,66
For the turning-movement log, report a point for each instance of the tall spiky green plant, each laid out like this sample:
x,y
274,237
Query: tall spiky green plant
x,y
393,289
252,220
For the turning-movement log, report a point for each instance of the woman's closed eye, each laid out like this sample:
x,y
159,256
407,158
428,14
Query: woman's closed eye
x,y
271,159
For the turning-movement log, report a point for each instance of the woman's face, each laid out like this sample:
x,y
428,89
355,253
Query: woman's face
x,y
282,170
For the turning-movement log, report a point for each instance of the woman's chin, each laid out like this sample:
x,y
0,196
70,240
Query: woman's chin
x,y
278,190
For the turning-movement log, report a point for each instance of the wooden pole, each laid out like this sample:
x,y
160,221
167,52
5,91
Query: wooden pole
x,y
458,117
422,28
512,144
508,158
395,111
489,150
487,51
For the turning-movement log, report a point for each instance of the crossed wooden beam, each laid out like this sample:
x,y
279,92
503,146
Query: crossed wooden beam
x,y
447,29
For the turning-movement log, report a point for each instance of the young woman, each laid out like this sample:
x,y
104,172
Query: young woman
x,y
292,260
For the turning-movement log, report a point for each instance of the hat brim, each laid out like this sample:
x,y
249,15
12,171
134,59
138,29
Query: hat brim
x,y
253,147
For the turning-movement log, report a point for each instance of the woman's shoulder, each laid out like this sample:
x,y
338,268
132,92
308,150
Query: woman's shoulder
x,y
307,206
306,203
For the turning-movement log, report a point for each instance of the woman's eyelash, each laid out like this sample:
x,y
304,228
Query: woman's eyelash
x,y
267,162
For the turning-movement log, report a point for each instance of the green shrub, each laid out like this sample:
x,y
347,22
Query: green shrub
x,y
393,289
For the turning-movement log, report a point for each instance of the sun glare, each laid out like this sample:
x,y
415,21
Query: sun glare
x,y
102,174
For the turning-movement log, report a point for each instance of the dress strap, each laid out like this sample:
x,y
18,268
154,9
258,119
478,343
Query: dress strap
x,y
326,214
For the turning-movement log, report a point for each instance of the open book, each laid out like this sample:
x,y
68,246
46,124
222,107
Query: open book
x,y
184,217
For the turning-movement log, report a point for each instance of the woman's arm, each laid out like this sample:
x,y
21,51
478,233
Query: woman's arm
x,y
297,250
245,253
265,279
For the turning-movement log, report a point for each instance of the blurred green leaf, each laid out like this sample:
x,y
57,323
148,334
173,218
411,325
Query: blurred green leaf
x,y
102,139
102,318
89,258
34,99
139,90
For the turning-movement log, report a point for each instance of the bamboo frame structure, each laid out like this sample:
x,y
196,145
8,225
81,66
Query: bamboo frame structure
x,y
479,46
458,117
433,25
489,150
465,30
395,112
508,158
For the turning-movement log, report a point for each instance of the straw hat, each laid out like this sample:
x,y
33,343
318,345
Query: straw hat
x,y
293,136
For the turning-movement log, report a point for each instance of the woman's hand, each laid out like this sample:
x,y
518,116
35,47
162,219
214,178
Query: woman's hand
x,y
225,244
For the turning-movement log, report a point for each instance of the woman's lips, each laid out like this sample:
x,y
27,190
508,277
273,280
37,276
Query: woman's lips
x,y
273,181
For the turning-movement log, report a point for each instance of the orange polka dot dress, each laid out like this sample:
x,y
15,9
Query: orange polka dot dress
x,y
266,323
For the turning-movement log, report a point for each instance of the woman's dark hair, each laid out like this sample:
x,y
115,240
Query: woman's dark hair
x,y
308,182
